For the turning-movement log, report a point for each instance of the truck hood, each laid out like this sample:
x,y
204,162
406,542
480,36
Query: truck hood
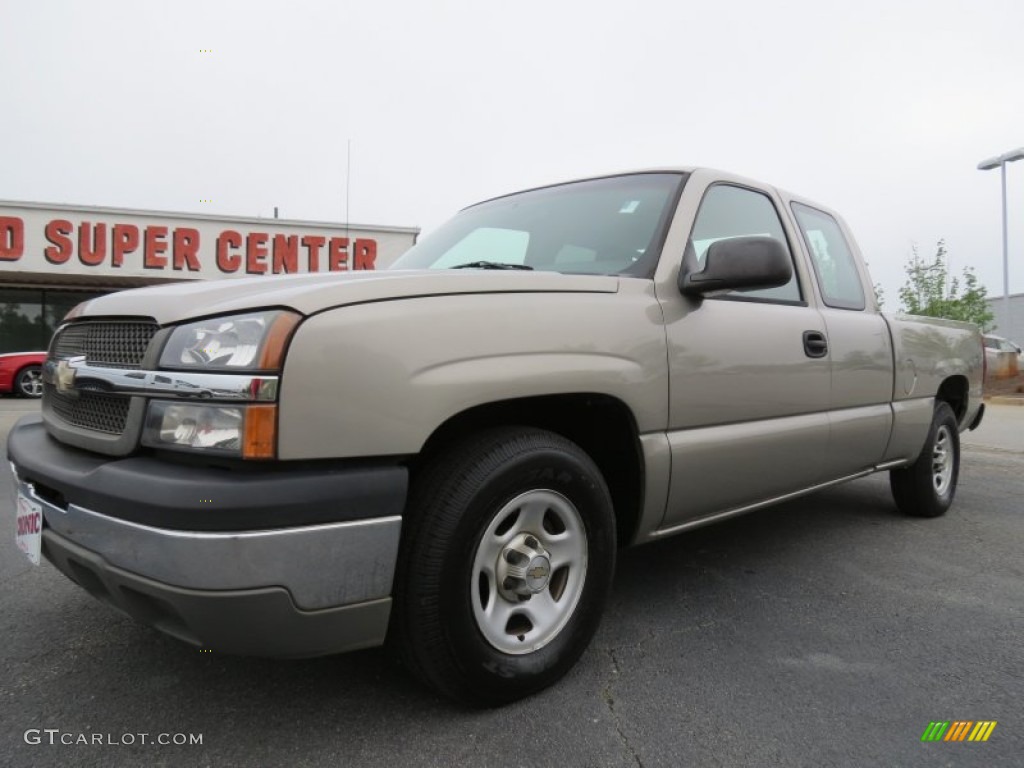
x,y
311,293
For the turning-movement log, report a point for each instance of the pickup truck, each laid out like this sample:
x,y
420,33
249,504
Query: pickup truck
x,y
448,454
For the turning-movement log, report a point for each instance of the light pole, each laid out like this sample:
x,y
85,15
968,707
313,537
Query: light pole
x,y
1000,163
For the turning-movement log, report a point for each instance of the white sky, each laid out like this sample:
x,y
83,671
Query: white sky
x,y
880,109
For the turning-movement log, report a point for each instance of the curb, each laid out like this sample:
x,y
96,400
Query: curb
x,y
1004,399
991,448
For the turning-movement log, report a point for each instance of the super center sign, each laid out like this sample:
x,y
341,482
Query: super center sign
x,y
103,241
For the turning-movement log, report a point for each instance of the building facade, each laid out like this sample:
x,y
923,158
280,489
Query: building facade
x,y
1012,329
54,256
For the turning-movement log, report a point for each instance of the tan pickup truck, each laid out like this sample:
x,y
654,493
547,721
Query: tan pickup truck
x,y
450,452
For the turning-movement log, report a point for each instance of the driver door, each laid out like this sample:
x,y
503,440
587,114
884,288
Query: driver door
x,y
748,393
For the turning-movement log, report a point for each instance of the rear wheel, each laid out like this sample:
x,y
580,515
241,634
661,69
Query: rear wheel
x,y
926,488
507,559
30,382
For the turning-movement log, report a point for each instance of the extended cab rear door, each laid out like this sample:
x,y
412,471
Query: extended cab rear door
x,y
748,380
860,415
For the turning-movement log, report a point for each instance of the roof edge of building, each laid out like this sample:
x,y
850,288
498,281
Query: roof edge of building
x,y
35,205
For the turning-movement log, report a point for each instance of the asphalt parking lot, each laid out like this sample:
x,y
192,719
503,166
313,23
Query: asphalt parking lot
x,y
828,631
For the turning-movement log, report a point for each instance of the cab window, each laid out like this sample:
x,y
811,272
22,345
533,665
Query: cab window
x,y
728,211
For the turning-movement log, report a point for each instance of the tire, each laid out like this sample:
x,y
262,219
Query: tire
x,y
926,488
506,563
29,382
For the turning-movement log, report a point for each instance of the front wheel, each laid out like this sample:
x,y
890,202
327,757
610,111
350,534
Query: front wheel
x,y
926,488
30,382
507,559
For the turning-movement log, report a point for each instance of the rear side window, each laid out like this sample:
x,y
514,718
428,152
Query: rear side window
x,y
834,265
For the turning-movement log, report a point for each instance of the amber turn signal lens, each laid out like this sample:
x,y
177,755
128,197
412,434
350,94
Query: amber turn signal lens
x,y
280,331
260,432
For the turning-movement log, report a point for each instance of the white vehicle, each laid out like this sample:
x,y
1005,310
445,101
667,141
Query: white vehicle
x,y
999,353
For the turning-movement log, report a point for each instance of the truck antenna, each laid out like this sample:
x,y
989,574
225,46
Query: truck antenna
x,y
348,183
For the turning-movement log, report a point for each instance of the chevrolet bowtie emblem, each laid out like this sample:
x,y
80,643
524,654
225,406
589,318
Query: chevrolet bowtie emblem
x,y
65,376
537,572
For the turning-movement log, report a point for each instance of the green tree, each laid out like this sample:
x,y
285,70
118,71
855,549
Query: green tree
x,y
931,291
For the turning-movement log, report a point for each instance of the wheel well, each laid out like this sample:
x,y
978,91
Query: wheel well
x,y
954,391
602,426
21,370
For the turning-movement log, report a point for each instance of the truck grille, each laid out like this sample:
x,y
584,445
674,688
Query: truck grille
x,y
100,413
105,343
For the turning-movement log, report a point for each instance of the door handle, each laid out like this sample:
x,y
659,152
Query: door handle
x,y
815,344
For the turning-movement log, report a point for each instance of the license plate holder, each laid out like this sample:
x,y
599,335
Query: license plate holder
x,y
29,536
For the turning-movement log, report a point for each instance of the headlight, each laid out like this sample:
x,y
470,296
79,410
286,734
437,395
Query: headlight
x,y
239,431
253,341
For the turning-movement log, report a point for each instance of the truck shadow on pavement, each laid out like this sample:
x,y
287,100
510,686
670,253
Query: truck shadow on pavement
x,y
694,565
686,584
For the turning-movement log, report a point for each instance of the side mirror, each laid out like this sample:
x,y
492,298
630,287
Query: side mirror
x,y
736,263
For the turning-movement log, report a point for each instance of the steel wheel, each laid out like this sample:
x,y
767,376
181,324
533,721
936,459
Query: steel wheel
x,y
942,460
508,551
926,488
529,571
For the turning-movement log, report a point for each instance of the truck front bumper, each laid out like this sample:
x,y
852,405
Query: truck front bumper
x,y
276,588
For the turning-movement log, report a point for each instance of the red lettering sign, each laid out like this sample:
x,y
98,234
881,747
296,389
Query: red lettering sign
x,y
256,252
228,262
313,244
92,250
58,232
364,255
186,243
286,254
155,244
164,247
12,238
337,255
124,239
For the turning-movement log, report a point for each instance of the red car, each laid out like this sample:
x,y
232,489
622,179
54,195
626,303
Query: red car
x,y
22,373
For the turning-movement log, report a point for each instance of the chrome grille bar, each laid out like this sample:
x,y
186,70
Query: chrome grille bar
x,y
74,375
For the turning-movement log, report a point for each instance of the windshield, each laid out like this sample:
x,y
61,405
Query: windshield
x,y
613,225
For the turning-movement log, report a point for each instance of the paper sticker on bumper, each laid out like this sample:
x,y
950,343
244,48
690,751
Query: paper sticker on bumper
x,y
30,528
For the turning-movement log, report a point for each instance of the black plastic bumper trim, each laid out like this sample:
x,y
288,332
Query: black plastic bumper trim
x,y
159,493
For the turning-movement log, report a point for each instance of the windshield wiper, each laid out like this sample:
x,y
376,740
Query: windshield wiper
x,y
490,265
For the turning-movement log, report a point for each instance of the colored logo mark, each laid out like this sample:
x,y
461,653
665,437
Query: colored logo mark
x,y
959,730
